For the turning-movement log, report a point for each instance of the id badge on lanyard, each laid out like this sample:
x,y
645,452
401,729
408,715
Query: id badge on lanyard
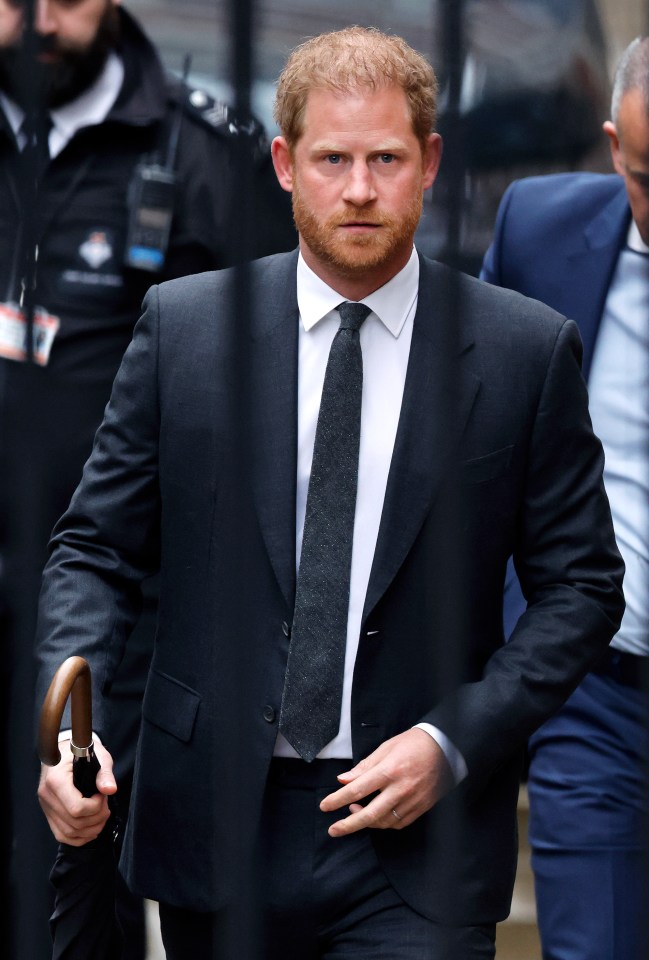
x,y
13,333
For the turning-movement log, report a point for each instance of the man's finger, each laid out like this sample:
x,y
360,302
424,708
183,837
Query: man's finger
x,y
366,764
106,782
353,792
376,815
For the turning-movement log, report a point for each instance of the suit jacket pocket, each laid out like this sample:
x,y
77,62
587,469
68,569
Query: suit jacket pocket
x,y
489,467
170,705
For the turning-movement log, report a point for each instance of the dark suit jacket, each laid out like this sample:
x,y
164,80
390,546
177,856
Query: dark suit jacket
x,y
557,239
494,454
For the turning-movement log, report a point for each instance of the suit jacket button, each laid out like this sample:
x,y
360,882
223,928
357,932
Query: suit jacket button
x,y
269,713
286,630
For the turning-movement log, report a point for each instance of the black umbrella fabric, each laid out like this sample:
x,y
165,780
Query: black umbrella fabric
x,y
84,922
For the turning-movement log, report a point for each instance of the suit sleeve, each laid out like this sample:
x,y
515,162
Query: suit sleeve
x,y
108,540
570,572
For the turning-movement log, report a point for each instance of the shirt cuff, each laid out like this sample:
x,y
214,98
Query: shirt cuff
x,y
453,756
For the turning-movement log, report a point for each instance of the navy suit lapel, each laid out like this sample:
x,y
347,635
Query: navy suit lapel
x,y
274,379
593,262
436,403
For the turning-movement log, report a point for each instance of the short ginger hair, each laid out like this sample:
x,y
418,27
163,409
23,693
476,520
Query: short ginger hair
x,y
351,59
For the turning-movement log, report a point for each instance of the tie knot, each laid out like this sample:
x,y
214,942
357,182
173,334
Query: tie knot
x,y
38,128
36,147
352,315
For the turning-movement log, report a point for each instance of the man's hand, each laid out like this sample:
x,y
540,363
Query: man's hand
x,y
410,773
74,819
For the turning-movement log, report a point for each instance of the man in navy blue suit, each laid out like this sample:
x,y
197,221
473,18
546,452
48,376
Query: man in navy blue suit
x,y
580,243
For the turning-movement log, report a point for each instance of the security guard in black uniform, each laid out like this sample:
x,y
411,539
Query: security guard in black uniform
x,y
139,187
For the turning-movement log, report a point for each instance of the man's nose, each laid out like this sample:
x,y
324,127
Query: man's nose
x,y
44,20
359,188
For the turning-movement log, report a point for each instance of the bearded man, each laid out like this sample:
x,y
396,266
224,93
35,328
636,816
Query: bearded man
x,y
88,120
333,726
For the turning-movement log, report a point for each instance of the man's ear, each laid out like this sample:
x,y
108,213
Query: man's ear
x,y
283,163
432,158
614,143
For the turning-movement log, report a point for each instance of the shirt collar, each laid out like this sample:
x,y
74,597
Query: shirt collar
x,y
88,109
634,240
391,303
12,112
94,104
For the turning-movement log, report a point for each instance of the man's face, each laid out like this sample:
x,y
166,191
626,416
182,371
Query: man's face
x,y
73,39
357,175
630,153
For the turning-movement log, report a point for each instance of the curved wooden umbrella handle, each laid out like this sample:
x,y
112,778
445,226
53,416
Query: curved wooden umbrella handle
x,y
72,679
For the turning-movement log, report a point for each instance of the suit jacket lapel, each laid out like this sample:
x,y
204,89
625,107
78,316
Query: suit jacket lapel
x,y
594,262
274,415
436,403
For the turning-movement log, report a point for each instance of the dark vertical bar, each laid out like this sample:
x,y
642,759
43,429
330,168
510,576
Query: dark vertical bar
x,y
29,185
449,540
446,549
454,156
241,934
241,73
28,829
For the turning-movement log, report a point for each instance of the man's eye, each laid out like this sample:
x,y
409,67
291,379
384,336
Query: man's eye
x,y
386,157
334,158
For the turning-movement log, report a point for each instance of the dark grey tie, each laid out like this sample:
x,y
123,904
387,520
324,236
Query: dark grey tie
x,y
310,713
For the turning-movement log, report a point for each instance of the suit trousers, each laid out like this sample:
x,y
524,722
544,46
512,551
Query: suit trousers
x,y
320,898
589,824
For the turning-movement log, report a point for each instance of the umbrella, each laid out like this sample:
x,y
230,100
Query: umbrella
x,y
84,922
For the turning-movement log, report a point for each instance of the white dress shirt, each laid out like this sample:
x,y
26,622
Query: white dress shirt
x,y
385,343
618,388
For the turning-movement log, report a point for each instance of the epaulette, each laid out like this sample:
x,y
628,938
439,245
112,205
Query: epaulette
x,y
219,116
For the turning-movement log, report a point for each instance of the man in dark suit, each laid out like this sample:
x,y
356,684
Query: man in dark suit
x,y
390,832
580,243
